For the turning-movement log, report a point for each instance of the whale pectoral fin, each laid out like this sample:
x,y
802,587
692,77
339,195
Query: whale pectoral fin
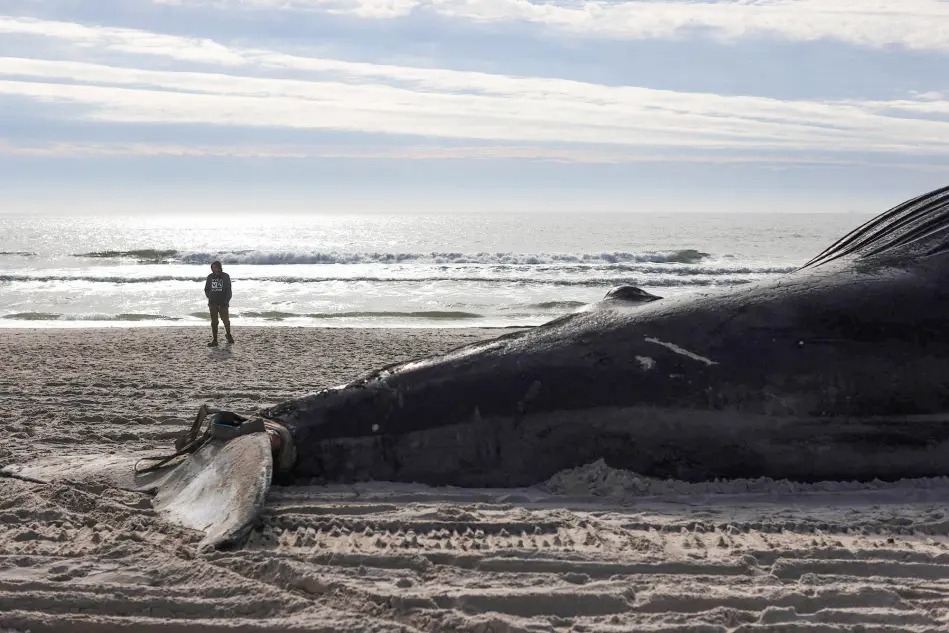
x,y
219,489
114,470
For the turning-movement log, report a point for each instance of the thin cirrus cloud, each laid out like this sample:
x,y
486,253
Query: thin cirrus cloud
x,y
913,24
237,87
416,152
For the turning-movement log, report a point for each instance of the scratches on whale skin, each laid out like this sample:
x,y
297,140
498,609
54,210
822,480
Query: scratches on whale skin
x,y
679,350
646,362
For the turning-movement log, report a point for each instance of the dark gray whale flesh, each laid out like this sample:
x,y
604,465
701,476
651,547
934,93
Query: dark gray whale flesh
x,y
839,370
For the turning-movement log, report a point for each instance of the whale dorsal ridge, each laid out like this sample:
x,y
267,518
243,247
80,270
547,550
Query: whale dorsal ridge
x,y
631,294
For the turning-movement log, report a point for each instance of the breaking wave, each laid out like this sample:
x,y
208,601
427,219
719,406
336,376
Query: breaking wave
x,y
52,316
685,276
275,315
594,282
146,255
268,315
263,258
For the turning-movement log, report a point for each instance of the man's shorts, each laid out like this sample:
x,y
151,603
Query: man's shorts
x,y
218,310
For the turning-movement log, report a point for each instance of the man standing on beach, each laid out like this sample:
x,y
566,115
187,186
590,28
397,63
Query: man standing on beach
x,y
218,290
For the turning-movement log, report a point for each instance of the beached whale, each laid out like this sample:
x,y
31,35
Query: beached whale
x,y
839,370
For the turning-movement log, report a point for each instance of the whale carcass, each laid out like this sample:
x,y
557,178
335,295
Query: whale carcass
x,y
839,370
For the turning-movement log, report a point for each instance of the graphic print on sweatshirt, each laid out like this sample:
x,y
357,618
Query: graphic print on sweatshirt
x,y
218,289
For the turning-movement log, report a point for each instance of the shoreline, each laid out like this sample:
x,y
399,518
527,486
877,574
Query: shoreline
x,y
109,325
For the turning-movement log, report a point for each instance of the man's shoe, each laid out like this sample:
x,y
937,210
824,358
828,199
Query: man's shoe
x,y
213,343
230,339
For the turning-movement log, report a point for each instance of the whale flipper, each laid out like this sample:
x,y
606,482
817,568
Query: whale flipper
x,y
218,490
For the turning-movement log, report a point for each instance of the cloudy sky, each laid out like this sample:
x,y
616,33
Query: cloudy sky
x,y
751,105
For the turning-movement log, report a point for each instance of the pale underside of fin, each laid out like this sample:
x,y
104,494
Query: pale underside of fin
x,y
219,490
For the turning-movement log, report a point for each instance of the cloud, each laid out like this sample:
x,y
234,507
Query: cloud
x,y
914,24
249,88
361,97
579,155
100,38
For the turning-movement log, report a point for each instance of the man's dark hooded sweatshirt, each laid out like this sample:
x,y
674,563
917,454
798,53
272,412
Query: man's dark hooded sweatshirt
x,y
218,289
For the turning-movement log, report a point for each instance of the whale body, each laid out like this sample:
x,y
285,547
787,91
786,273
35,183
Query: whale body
x,y
838,370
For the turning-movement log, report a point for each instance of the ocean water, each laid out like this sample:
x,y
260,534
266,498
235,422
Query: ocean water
x,y
447,270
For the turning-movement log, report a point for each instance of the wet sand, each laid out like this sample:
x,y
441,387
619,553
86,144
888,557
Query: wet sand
x,y
591,550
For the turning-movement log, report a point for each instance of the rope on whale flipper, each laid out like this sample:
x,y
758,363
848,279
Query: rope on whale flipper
x,y
186,443
220,424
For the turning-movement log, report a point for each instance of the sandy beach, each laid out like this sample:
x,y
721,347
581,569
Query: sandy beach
x,y
591,550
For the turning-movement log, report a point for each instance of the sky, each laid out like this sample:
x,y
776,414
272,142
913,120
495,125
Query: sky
x,y
146,106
